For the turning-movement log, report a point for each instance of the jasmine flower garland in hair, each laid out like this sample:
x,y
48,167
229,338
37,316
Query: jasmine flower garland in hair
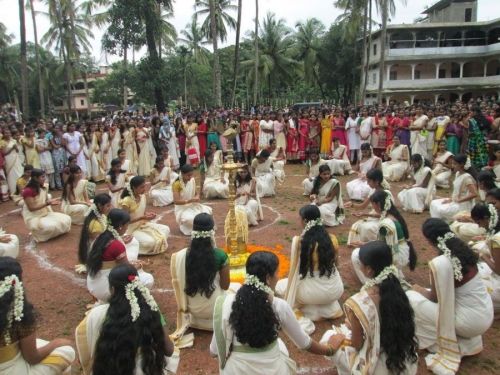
x,y
455,262
130,191
98,215
257,284
135,310
493,222
387,207
312,223
202,233
16,310
386,272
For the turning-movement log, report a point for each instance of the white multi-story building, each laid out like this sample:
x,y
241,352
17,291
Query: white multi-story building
x,y
448,55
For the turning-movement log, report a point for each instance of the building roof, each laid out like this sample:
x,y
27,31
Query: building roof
x,y
441,4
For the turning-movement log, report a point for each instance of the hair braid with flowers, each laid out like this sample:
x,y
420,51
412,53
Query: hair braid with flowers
x,y
15,312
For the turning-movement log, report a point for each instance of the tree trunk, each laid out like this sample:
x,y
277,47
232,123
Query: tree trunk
x,y
382,51
125,66
364,54
236,53
368,47
38,67
149,15
24,62
87,94
185,84
216,73
158,10
256,42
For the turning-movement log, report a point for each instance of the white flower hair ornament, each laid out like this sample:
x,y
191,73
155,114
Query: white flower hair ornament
x,y
386,272
135,310
467,164
202,234
100,217
455,262
257,284
312,223
16,310
493,222
130,190
387,206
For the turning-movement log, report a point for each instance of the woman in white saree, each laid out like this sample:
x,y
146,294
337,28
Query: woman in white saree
x,y
327,195
442,165
200,273
358,189
246,196
452,315
9,245
131,148
13,164
186,201
214,180
463,195
116,179
38,216
75,201
128,335
152,237
379,326
108,250
21,353
416,198
392,229
312,170
262,169
278,156
397,168
314,285
339,162
244,347
161,179
142,136
97,170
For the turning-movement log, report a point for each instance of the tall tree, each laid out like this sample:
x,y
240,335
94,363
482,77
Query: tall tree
x,y
223,20
236,52
257,57
195,41
24,62
37,57
216,74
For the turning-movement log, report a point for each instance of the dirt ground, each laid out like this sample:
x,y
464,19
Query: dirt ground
x,y
60,295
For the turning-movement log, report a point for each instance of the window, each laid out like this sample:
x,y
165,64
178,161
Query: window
x,y
442,73
82,102
468,14
393,76
374,49
374,78
417,74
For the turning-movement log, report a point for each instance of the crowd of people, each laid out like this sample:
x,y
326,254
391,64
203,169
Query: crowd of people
x,y
151,160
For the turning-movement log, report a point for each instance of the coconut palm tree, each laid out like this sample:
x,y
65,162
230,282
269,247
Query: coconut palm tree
x,y
24,62
5,38
308,42
167,36
256,46
195,41
223,19
236,52
30,6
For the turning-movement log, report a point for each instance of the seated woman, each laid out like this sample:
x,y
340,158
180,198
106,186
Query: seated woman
x,y
486,216
200,273
214,182
314,285
21,183
187,202
127,335
152,237
452,315
366,229
21,352
339,162
262,169
392,229
126,164
246,196
463,194
107,251
327,195
116,179
161,179
442,165
246,325
486,180
9,245
358,189
416,198
312,170
379,325
396,168
278,157
38,216
75,201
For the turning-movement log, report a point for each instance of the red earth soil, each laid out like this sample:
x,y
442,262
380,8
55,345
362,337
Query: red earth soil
x,y
60,295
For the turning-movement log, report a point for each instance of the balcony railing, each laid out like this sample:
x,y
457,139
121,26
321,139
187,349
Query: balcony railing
x,y
437,83
442,51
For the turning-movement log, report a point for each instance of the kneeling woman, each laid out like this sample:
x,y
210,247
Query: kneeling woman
x,y
75,201
152,237
246,196
214,181
313,285
161,179
246,325
107,251
452,315
327,195
38,216
392,229
21,353
397,167
262,169
416,198
200,273
358,188
379,321
463,194
186,200
128,335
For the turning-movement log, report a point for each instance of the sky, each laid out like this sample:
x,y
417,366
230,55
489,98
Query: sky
x,y
292,11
